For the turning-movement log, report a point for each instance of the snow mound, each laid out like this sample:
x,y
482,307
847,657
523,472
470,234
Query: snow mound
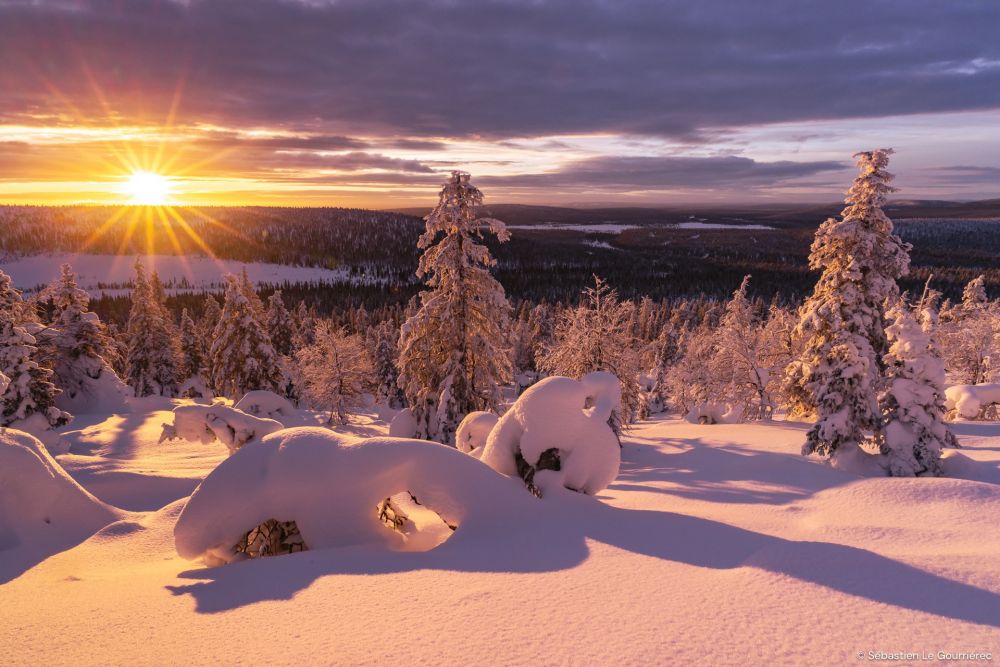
x,y
42,509
968,400
569,416
208,423
264,403
474,430
37,425
403,425
331,486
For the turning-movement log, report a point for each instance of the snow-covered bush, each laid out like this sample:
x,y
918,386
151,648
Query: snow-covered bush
x,y
973,401
332,485
403,424
970,336
263,403
208,423
41,507
474,430
453,354
560,425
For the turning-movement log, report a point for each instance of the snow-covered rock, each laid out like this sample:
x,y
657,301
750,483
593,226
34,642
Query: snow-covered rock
x,y
264,403
968,400
403,425
330,485
208,423
42,509
569,416
474,430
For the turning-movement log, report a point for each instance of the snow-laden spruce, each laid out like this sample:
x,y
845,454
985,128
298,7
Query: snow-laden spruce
x,y
152,356
913,400
843,323
594,336
76,344
280,326
330,486
241,357
453,350
29,390
558,430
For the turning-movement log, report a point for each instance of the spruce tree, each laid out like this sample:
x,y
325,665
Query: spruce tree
x,y
385,357
912,399
843,323
242,357
279,324
151,357
30,389
192,348
453,350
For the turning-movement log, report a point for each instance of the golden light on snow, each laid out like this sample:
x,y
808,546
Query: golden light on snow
x,y
147,188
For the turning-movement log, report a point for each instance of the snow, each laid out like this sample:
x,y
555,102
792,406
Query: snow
x,y
263,403
473,431
567,415
403,424
208,423
109,274
968,400
713,546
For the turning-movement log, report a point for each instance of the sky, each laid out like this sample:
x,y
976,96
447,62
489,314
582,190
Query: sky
x,y
577,102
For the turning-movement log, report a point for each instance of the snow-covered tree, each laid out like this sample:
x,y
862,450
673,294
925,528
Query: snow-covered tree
x,y
912,399
76,344
151,357
192,347
594,336
385,358
970,335
279,324
843,323
687,383
241,356
336,371
305,326
453,350
29,389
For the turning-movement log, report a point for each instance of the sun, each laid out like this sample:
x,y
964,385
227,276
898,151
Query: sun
x,y
147,188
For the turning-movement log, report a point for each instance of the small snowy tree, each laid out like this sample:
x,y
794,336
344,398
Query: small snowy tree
x,y
594,336
843,322
151,357
279,324
453,350
385,357
912,400
29,390
76,344
192,348
242,357
336,371
970,335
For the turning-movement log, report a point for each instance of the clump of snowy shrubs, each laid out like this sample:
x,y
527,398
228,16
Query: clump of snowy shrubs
x,y
208,423
973,401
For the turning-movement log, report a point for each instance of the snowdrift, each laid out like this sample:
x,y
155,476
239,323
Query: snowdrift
x,y
473,432
208,423
331,485
968,400
263,403
568,416
42,509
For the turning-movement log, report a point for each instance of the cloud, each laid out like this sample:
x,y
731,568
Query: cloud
x,y
967,174
422,69
665,173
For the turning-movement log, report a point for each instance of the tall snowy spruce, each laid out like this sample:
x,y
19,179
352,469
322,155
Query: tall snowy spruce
x,y
151,358
280,326
241,357
30,390
77,345
453,350
842,325
912,399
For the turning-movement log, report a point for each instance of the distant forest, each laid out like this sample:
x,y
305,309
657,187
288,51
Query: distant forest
x,y
647,257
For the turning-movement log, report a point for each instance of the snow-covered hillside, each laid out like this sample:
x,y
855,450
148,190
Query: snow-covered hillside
x,y
715,545
111,274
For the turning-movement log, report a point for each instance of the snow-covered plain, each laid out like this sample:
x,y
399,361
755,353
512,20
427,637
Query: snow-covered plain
x,y
715,545
109,274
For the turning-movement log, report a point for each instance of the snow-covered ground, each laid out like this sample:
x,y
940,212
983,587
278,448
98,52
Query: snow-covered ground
x,y
108,274
715,545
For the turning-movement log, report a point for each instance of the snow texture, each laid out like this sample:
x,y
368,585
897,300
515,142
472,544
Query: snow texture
x,y
474,430
570,416
969,400
403,425
208,423
264,403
